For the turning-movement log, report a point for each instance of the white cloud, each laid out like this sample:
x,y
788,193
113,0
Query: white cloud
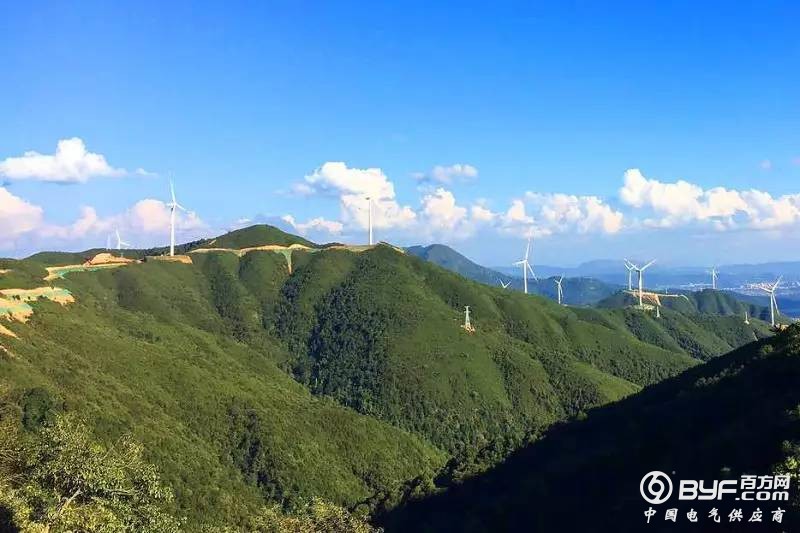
x,y
679,203
480,213
449,174
144,224
440,210
71,163
318,224
352,186
17,217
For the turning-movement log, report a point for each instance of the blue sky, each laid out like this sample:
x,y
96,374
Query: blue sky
x,y
543,104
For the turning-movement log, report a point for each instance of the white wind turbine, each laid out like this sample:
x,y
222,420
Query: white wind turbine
x,y
120,243
773,303
714,275
560,291
504,284
631,268
640,271
369,218
173,207
526,266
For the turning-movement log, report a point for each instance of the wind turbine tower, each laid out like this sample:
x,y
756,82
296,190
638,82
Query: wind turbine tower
x,y
468,327
640,271
526,266
173,207
746,317
559,290
714,276
120,243
773,303
629,266
369,218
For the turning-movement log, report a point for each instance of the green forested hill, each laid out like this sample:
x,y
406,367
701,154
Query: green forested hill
x,y
256,236
350,379
706,302
736,415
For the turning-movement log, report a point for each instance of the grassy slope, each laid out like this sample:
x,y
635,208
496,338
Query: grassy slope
x,y
165,372
719,420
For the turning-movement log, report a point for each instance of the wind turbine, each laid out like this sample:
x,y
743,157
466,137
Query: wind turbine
x,y
746,317
369,218
526,266
714,276
773,303
640,271
120,243
468,327
560,292
504,284
631,268
173,207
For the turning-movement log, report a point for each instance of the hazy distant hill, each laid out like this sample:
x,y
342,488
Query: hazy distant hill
x,y
577,290
735,415
446,257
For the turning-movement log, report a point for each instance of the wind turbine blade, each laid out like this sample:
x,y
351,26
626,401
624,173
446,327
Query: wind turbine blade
x,y
531,270
172,191
648,265
520,262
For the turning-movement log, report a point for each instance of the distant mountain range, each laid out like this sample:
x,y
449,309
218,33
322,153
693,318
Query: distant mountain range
x,y
577,290
664,275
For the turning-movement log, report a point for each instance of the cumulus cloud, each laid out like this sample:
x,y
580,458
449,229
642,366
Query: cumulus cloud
x,y
449,174
71,163
319,224
352,187
440,210
681,202
585,214
17,217
145,223
480,213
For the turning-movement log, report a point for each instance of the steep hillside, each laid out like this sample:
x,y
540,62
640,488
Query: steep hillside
x,y
145,350
736,415
197,361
